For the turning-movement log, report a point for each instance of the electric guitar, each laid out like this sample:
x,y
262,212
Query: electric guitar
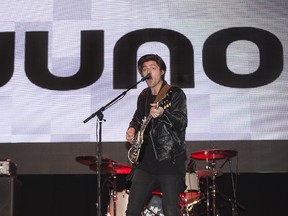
x,y
134,151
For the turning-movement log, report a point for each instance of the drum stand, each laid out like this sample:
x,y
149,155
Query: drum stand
x,y
213,155
234,204
211,166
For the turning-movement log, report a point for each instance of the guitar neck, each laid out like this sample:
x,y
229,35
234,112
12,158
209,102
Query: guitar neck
x,y
146,122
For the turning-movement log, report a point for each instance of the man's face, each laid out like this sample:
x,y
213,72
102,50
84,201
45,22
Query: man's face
x,y
151,67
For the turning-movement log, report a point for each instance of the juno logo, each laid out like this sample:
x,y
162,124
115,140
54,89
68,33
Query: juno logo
x,y
124,58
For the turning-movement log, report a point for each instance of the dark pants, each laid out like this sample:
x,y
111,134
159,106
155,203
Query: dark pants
x,y
141,189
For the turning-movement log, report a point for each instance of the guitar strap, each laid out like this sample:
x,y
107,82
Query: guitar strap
x,y
162,92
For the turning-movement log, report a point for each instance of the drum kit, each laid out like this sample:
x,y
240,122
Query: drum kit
x,y
111,170
192,196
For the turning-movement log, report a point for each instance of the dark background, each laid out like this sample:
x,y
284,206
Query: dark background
x,y
75,195
53,183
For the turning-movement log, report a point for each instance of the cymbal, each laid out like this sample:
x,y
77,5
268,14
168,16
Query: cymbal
x,y
207,173
88,160
214,154
112,168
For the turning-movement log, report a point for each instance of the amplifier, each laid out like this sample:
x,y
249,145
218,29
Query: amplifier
x,y
7,167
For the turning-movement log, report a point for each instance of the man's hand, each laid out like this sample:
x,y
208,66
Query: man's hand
x,y
130,134
156,113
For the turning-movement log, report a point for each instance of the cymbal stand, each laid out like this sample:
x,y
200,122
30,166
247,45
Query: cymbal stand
x,y
114,194
207,189
214,173
211,166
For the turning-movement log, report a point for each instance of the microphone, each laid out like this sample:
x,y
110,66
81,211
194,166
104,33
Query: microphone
x,y
148,76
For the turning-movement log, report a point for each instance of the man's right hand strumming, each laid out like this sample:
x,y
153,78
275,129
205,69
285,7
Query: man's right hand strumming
x,y
130,134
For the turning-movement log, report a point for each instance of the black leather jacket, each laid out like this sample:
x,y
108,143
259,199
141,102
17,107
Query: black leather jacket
x,y
168,131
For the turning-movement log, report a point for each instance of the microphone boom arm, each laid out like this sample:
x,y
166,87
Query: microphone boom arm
x,y
115,100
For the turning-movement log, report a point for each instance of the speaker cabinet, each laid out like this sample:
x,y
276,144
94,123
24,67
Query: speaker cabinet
x,y
10,192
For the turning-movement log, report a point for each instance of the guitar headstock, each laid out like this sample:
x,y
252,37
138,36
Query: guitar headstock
x,y
165,102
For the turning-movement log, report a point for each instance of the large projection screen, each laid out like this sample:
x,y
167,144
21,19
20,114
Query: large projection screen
x,y
61,61
32,113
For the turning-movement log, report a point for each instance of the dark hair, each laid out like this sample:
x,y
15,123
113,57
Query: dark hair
x,y
152,57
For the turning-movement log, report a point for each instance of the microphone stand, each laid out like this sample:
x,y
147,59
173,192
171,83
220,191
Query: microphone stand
x,y
100,116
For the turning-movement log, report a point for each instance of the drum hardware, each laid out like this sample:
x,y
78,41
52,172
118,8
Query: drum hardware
x,y
187,206
92,160
210,156
214,154
108,166
111,168
192,194
207,173
115,169
86,160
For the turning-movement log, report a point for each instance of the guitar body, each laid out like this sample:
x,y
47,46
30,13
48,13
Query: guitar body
x,y
134,151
